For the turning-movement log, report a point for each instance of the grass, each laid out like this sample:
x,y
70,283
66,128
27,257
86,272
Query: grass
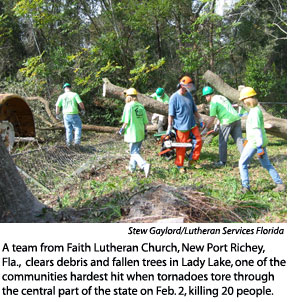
x,y
105,194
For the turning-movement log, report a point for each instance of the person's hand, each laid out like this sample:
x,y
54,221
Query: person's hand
x,y
83,112
169,129
121,131
146,133
243,114
260,152
202,125
58,117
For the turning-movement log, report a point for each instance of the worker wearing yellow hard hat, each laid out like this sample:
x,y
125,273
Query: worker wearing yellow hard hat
x,y
256,142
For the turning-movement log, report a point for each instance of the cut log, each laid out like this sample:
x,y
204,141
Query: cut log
x,y
273,125
150,104
104,129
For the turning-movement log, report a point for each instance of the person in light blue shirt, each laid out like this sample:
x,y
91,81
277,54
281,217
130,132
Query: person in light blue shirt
x,y
182,110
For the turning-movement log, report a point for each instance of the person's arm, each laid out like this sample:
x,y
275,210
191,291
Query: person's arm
x,y
82,106
170,123
210,122
122,129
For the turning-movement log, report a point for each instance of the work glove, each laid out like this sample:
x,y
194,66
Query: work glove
x,y
260,152
58,117
169,129
146,133
202,125
121,131
243,114
83,112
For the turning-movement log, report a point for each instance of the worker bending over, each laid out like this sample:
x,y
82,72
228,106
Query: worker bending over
x,y
230,122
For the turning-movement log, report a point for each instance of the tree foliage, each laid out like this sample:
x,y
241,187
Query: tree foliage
x,y
141,43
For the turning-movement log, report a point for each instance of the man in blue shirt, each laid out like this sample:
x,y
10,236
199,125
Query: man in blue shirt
x,y
182,110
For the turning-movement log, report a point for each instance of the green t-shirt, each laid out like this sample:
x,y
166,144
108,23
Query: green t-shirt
x,y
134,115
164,99
69,102
255,121
223,110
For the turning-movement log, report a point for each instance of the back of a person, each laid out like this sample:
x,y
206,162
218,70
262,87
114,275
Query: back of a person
x,y
135,131
163,99
69,103
223,109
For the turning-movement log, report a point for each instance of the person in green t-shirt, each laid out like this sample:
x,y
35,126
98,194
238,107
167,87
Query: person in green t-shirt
x,y
230,122
159,119
69,102
134,120
256,142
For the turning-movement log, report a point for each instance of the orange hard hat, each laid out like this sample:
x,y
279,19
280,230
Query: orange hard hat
x,y
186,80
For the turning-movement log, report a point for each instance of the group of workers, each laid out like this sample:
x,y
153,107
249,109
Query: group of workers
x,y
183,118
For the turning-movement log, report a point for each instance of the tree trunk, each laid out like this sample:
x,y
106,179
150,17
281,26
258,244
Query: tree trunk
x,y
17,204
104,129
113,91
273,125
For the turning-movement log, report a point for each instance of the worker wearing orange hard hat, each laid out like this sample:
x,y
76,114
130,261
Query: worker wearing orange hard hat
x,y
181,117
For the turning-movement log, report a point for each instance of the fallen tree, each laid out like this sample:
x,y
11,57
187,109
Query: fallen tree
x,y
274,126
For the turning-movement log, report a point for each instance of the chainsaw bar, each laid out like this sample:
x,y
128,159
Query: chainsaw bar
x,y
170,144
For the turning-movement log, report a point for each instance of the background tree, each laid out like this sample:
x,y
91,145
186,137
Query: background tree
x,y
142,43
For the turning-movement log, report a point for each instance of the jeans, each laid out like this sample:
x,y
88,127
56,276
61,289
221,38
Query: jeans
x,y
236,132
73,122
136,158
246,156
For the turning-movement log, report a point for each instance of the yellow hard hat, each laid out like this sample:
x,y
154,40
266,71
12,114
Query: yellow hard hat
x,y
131,91
247,92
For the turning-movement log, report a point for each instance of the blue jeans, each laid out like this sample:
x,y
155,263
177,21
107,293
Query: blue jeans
x,y
72,122
235,130
136,158
246,156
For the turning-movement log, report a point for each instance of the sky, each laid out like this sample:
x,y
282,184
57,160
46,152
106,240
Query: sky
x,y
222,5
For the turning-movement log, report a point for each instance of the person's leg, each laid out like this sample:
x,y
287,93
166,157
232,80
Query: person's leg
x,y
135,155
236,133
265,162
132,162
69,128
224,131
77,125
198,146
181,137
245,158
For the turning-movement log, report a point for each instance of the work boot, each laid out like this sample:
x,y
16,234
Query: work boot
x,y
245,190
147,170
280,188
193,164
219,164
